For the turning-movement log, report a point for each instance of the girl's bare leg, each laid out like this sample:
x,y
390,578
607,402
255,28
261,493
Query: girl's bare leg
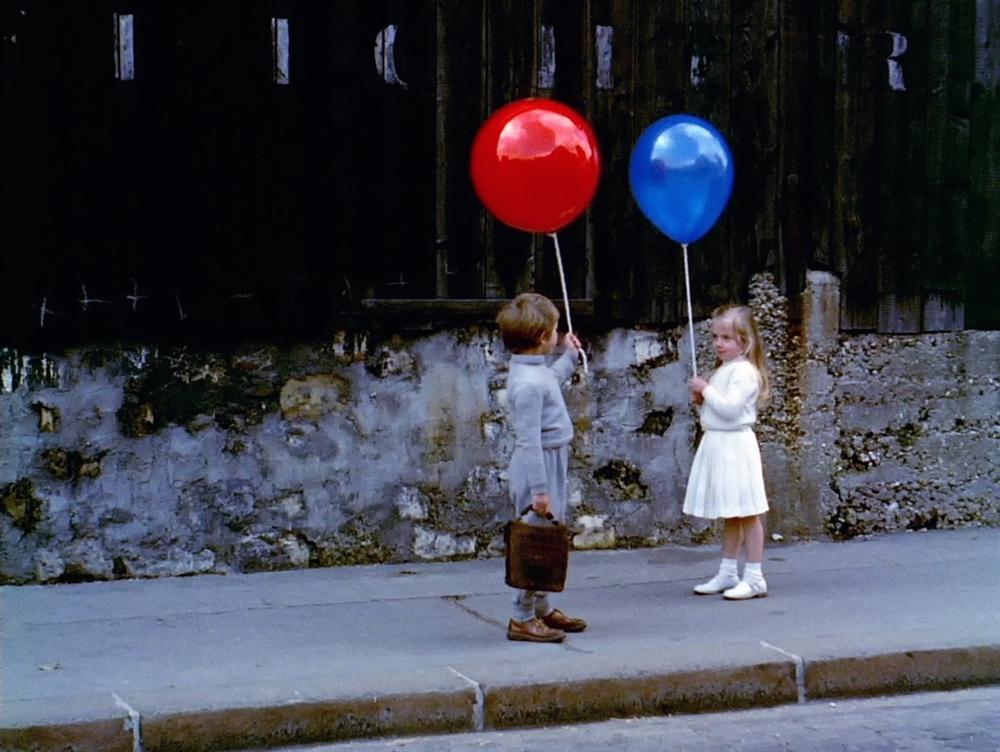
x,y
752,585
732,536
753,533
728,574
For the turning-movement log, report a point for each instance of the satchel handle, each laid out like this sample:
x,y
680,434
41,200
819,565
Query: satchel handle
x,y
548,515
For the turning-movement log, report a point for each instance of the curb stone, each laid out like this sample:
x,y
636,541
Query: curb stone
x,y
257,727
510,706
907,671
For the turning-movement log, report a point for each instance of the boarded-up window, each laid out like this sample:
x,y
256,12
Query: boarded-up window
x,y
277,170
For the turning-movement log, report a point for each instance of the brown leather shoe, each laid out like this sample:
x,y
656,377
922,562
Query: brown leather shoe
x,y
533,630
558,620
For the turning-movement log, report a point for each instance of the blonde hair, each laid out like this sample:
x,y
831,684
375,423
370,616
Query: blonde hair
x,y
525,320
741,319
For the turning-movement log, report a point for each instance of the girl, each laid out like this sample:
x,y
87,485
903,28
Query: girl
x,y
726,478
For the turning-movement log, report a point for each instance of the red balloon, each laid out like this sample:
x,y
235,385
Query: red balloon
x,y
535,164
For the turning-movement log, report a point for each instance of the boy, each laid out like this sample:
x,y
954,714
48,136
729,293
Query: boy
x,y
542,433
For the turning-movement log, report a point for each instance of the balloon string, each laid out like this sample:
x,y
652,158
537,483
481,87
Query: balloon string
x,y
687,287
562,280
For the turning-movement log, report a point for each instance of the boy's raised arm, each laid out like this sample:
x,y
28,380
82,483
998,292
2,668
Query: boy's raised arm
x,y
566,363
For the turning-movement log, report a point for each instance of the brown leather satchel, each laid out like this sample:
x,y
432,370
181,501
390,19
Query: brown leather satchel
x,y
537,555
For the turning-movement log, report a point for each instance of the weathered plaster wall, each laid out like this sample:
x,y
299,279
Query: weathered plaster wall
x,y
134,462
919,433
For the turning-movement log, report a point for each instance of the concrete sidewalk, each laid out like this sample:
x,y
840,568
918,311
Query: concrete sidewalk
x,y
253,661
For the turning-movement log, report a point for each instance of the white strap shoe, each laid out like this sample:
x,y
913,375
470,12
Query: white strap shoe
x,y
745,590
717,584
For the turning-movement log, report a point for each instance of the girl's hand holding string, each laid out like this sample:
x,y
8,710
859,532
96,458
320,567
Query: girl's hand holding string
x,y
697,386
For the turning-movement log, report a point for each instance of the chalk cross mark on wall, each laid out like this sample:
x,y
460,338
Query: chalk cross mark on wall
x,y
135,297
43,309
86,300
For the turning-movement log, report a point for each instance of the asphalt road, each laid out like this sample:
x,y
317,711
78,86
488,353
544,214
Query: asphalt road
x,y
967,720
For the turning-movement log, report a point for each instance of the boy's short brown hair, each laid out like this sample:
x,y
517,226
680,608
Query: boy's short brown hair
x,y
525,320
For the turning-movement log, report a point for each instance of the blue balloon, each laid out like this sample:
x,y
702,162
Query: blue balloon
x,y
681,173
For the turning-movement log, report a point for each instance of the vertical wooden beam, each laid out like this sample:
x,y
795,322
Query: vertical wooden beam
x,y
904,101
616,225
923,216
855,204
541,246
564,57
546,20
459,257
754,207
718,271
442,101
941,266
984,224
661,78
508,73
955,166
591,50
492,287
405,151
794,94
820,151
956,154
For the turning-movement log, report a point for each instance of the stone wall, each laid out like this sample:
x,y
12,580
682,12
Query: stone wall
x,y
138,462
918,436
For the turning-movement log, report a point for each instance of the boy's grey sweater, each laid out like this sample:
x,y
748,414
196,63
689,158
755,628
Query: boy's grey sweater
x,y
538,411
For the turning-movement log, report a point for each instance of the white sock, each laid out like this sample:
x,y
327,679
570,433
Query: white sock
x,y
751,572
728,568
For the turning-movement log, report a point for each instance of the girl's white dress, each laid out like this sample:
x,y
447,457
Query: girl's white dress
x,y
726,476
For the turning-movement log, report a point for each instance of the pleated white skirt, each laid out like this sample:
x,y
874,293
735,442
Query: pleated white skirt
x,y
726,477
